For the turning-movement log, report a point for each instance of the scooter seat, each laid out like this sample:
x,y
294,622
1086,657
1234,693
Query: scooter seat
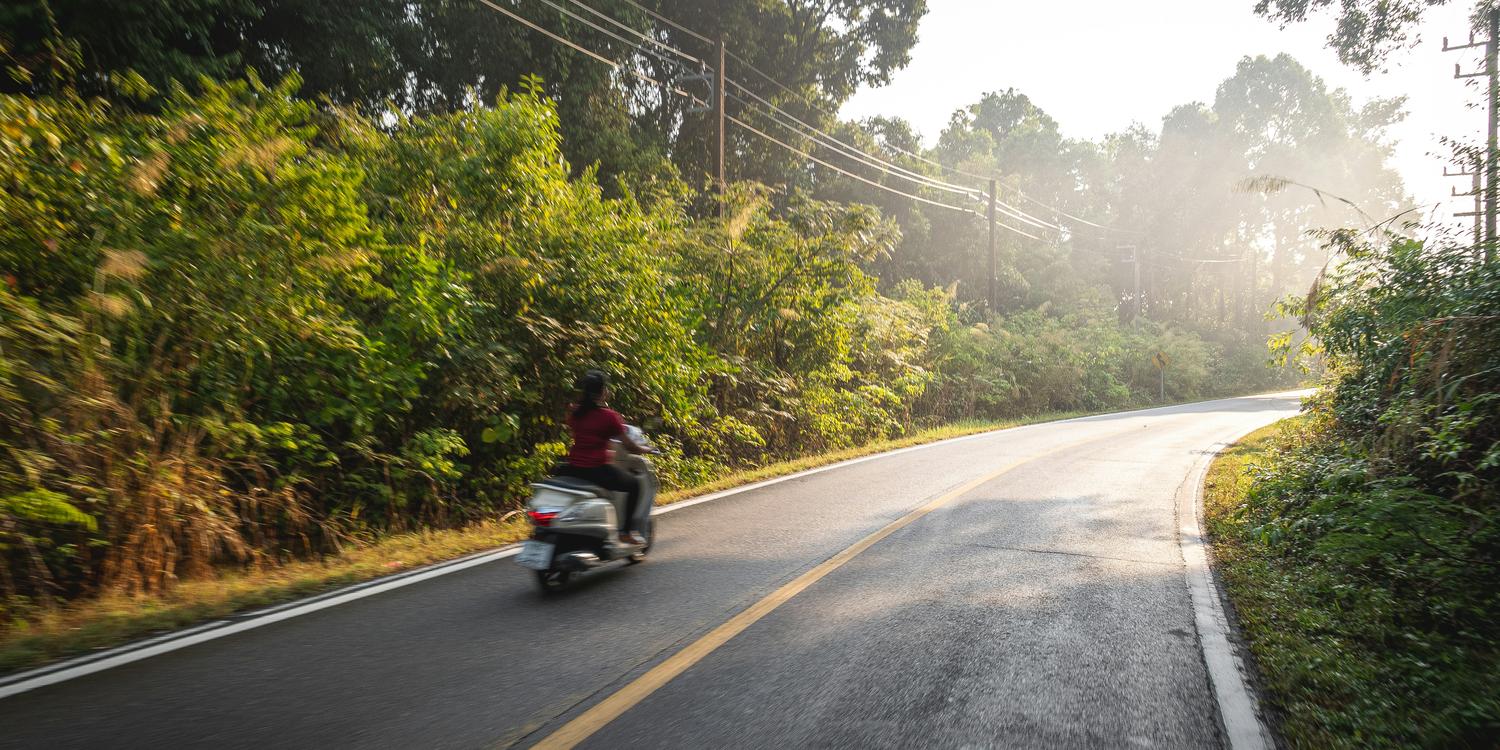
x,y
573,483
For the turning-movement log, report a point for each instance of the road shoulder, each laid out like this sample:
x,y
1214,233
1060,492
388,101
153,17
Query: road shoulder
x,y
1229,672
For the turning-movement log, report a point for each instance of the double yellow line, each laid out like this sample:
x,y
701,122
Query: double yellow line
x,y
587,723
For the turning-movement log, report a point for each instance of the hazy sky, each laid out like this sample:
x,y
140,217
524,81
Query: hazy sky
x,y
1097,66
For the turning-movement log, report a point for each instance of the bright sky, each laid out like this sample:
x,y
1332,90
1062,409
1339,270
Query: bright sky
x,y
1097,66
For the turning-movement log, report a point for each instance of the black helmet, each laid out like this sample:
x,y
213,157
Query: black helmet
x,y
593,382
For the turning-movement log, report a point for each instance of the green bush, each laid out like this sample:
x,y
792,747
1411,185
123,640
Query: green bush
x,y
1388,500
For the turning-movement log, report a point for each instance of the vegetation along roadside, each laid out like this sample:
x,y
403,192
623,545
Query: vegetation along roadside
x,y
1347,657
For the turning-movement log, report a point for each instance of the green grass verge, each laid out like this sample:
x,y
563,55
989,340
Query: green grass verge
x,y
1337,665
97,623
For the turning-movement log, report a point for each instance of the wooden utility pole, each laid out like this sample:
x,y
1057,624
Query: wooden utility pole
x,y
1135,298
1477,188
991,297
1492,158
1476,191
721,182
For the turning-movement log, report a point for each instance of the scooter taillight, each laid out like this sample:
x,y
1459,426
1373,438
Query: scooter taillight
x,y
541,517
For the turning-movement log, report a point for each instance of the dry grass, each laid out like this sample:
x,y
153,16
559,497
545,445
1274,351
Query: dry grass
x,y
107,621
1229,477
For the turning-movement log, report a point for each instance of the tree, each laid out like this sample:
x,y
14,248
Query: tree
x,y
441,55
1367,30
163,40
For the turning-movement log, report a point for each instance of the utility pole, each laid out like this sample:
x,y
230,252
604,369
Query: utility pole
x,y
1491,162
1491,158
1135,260
993,187
1476,191
719,115
1476,187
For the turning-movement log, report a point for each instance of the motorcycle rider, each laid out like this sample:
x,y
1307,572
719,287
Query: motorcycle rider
x,y
593,424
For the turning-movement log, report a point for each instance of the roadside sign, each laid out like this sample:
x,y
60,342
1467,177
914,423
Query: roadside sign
x,y
1161,360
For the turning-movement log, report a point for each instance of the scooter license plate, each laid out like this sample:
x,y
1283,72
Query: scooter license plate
x,y
535,555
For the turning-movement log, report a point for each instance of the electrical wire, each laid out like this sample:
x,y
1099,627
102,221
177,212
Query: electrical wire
x,y
580,48
953,170
854,155
917,177
814,106
1017,213
643,35
872,161
669,21
1061,212
885,167
918,198
617,37
814,132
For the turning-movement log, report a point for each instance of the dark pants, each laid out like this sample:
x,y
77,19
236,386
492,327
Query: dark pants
x,y
611,478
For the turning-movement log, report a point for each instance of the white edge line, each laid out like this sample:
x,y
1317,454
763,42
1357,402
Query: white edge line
x,y
1238,708
55,675
70,669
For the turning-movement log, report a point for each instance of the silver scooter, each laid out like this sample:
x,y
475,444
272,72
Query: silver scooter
x,y
575,524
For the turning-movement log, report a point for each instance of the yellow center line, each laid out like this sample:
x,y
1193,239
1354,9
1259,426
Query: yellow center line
x,y
587,723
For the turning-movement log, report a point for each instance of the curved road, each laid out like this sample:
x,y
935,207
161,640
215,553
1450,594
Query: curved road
x,y
1041,604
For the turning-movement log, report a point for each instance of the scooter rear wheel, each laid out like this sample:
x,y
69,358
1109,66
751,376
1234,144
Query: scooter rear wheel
x,y
553,580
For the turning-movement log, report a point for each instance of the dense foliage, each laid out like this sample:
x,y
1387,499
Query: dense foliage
x,y
433,56
1383,512
241,327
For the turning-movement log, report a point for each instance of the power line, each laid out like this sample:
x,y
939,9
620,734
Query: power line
x,y
613,35
1009,210
854,154
919,157
865,180
827,141
580,48
669,21
814,106
861,157
643,35
841,170
910,175
902,172
1061,212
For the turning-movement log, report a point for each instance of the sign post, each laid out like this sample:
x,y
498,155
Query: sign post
x,y
1161,360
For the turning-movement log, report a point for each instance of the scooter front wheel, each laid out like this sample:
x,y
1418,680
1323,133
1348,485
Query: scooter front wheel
x,y
552,580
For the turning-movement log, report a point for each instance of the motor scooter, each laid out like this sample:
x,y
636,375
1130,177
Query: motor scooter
x,y
575,524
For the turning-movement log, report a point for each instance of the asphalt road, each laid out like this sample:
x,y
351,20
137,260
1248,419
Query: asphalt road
x,y
1046,607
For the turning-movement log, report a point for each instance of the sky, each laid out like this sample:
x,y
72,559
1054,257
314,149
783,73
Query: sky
x,y
1097,66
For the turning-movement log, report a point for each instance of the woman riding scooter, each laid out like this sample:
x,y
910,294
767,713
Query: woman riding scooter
x,y
593,424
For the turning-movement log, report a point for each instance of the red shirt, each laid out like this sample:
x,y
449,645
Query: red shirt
x,y
591,435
